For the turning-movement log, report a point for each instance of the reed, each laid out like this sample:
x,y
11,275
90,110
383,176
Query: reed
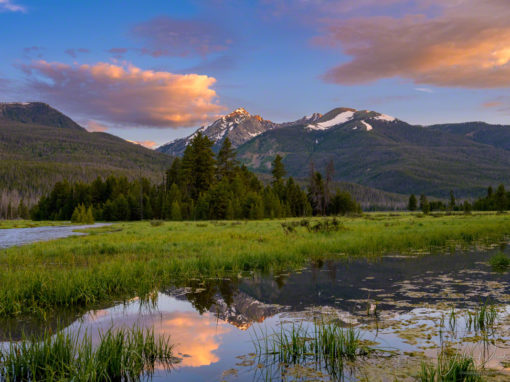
x,y
121,355
450,367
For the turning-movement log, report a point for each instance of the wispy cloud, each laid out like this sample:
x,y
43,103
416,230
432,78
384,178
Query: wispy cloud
x,y
10,6
124,94
148,144
167,36
424,90
74,52
96,127
441,42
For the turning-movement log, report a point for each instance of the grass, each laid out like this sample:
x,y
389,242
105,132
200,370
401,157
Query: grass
x,y
7,224
499,262
325,345
134,259
121,355
450,367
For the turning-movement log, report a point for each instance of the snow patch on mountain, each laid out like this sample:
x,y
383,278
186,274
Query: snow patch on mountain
x,y
337,120
367,125
384,117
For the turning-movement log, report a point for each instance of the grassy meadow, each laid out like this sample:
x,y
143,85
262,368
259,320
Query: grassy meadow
x,y
128,259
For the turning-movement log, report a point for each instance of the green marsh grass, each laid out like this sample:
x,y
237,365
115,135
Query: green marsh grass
x,y
120,355
133,259
325,345
450,367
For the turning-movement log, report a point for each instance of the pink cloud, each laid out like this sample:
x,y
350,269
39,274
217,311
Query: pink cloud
x,y
10,6
167,36
463,44
148,144
96,127
126,95
74,52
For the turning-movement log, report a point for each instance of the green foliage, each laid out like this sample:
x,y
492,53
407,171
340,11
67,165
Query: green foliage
x,y
424,204
500,262
82,214
196,187
413,203
494,201
121,355
450,367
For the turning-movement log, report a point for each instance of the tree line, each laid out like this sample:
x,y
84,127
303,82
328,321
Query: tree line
x,y
200,185
498,200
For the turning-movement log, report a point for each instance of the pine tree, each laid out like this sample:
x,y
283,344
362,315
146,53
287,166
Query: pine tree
x,y
451,204
226,161
413,203
278,170
424,204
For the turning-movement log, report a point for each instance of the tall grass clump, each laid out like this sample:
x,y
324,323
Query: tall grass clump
x,y
325,345
450,367
499,262
121,355
482,318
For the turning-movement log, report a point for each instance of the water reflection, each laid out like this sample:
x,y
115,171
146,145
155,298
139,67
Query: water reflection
x,y
212,321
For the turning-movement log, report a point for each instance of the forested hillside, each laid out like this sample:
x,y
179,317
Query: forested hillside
x,y
37,150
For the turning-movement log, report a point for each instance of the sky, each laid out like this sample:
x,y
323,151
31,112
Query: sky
x,y
154,71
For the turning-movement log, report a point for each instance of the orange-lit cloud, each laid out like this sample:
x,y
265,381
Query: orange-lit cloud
x,y
126,95
456,43
194,335
148,144
491,104
96,127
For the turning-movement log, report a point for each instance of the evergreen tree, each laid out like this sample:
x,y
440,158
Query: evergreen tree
x,y
413,203
424,204
226,163
500,198
278,170
451,204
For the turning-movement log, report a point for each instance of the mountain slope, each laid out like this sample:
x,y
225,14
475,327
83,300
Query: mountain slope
x,y
40,146
379,151
481,132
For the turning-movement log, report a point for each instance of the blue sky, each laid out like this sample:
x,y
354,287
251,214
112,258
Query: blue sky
x,y
156,70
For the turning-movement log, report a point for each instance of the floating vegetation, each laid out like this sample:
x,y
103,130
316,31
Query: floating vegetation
x,y
326,346
500,262
121,355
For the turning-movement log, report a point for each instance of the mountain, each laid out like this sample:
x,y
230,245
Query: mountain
x,y
36,113
40,146
239,126
379,151
370,149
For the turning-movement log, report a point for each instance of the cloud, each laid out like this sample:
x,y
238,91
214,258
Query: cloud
x,y
10,6
118,53
74,52
96,127
167,36
148,144
452,43
124,94
491,104
424,90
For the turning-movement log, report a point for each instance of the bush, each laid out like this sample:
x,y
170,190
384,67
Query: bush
x,y
81,214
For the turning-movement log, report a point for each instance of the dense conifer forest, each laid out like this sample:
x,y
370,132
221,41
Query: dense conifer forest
x,y
201,185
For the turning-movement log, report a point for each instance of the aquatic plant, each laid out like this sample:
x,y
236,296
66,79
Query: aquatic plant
x,y
482,318
326,345
499,262
450,367
121,355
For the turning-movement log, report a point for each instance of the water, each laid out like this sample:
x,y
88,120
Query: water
x,y
20,236
214,322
